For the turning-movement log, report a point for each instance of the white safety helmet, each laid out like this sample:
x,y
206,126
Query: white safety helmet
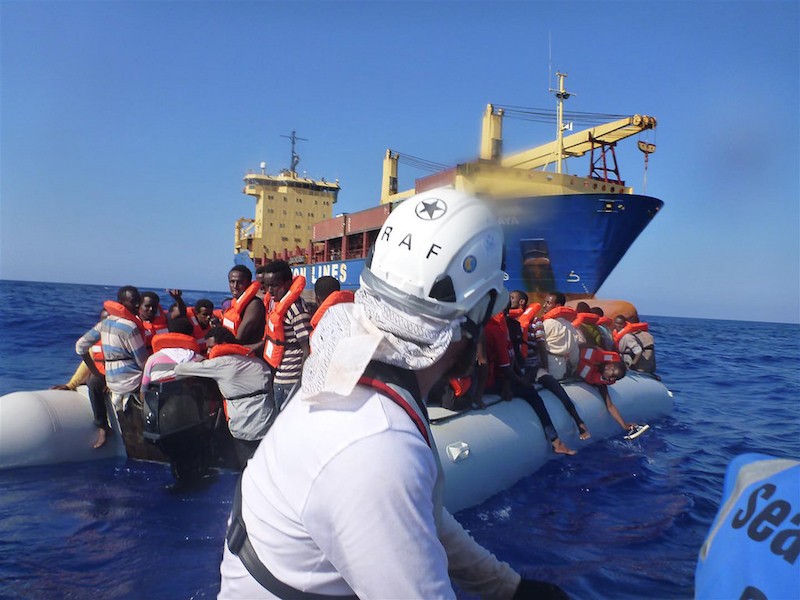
x,y
439,253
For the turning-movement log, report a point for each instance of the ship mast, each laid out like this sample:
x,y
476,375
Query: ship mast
x,y
561,94
295,155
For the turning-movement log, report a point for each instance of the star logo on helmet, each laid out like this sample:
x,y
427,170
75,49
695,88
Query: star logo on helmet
x,y
430,210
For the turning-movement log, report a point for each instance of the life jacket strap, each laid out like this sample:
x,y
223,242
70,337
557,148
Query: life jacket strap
x,y
250,394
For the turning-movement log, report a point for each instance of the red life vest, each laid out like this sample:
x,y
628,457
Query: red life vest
x,y
115,309
591,364
525,318
174,340
275,336
198,333
155,327
460,385
96,352
582,318
561,312
232,318
228,349
606,322
629,328
334,298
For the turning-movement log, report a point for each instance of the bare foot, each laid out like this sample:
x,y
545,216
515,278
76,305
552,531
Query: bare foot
x,y
560,447
584,431
101,438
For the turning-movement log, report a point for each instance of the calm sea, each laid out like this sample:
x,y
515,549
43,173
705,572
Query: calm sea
x,y
619,520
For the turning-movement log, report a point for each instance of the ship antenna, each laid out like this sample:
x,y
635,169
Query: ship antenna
x,y
561,95
295,155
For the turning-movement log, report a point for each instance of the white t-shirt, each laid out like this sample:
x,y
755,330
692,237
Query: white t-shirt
x,y
339,499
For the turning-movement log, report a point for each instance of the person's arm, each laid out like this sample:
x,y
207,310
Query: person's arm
x,y
473,567
78,378
177,295
251,329
84,345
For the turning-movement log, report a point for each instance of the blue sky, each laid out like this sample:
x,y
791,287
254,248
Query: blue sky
x,y
126,127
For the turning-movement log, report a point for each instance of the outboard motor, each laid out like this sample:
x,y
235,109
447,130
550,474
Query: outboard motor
x,y
180,418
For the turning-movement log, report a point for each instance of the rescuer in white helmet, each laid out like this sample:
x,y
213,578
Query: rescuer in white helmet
x,y
343,498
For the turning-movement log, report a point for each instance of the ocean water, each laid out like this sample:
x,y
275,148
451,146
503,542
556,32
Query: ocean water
x,y
619,520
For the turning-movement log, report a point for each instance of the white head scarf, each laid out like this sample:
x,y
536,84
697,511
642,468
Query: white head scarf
x,y
349,336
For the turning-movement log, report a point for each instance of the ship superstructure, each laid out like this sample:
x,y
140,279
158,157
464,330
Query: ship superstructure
x,y
287,207
563,231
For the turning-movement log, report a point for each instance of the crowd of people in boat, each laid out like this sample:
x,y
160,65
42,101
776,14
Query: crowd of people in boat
x,y
531,346
255,345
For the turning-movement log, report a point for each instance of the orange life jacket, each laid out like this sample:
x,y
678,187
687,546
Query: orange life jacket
x,y
232,318
96,352
561,312
115,309
629,328
460,385
591,364
227,349
334,298
606,322
275,336
582,318
525,318
155,327
174,340
198,333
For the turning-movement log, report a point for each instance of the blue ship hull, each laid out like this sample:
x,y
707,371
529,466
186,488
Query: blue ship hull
x,y
569,243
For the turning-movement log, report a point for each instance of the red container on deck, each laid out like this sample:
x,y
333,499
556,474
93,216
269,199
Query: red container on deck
x,y
367,220
329,228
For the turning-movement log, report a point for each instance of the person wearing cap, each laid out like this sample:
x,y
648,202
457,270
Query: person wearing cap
x,y
343,497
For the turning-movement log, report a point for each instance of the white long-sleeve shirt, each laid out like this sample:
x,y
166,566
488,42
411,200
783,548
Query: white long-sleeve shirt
x,y
339,499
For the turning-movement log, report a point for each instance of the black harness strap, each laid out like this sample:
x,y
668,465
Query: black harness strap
x,y
250,395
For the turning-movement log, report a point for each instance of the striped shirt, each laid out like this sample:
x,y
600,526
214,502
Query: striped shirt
x,y
535,335
123,349
296,328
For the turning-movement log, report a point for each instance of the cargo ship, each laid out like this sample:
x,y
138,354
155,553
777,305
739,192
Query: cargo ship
x,y
563,231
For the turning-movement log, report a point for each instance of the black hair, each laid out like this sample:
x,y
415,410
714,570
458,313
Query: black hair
x,y
598,311
204,303
180,325
281,268
125,290
152,296
582,307
561,299
523,295
243,270
261,269
325,286
221,335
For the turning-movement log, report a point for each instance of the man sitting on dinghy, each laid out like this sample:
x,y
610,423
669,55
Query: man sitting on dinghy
x,y
122,337
535,362
343,497
502,379
602,368
244,381
92,372
561,337
635,344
